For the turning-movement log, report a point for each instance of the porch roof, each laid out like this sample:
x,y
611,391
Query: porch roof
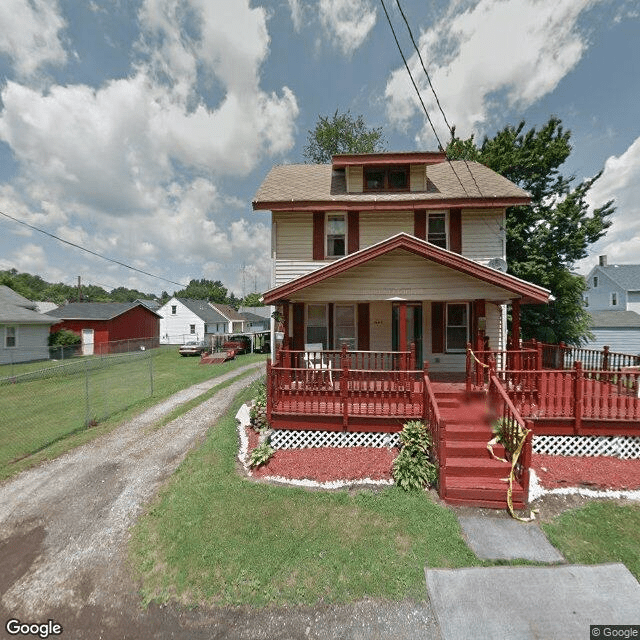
x,y
527,293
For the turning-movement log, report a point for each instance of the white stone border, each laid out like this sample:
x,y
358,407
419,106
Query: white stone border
x,y
244,421
536,490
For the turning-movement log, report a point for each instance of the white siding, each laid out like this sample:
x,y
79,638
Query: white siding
x,y
376,226
483,235
294,236
175,329
401,274
289,269
380,326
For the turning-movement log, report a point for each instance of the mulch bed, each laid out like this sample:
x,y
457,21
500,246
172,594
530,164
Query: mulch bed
x,y
327,464
602,472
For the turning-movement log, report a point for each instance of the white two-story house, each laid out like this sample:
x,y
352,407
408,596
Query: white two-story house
x,y
381,251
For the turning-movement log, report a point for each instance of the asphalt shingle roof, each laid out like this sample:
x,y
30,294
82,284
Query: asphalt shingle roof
x,y
202,309
94,310
17,309
321,183
613,319
626,276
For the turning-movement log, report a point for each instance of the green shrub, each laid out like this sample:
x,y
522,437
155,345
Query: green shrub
x,y
261,454
413,468
63,338
258,411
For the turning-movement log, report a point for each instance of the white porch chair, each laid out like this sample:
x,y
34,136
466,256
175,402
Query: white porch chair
x,y
315,359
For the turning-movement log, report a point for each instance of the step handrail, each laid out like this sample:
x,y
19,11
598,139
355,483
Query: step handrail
x,y
436,424
516,440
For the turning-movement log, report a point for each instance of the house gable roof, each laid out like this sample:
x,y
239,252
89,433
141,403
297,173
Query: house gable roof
x,y
299,187
96,310
529,293
203,309
16,309
227,311
626,276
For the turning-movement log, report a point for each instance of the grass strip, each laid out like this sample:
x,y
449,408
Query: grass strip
x,y
602,531
213,536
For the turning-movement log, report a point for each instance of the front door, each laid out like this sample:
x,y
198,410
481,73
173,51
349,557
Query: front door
x,y
87,342
414,329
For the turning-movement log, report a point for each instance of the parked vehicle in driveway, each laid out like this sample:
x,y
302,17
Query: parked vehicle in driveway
x,y
240,344
193,348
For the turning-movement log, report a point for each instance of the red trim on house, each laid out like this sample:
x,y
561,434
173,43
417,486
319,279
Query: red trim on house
x,y
530,293
367,159
363,326
380,204
420,224
353,231
318,235
298,325
455,230
437,327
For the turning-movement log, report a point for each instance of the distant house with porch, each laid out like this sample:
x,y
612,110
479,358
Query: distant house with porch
x,y
23,330
109,327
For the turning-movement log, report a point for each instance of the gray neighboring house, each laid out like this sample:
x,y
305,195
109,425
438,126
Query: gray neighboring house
x,y
257,318
23,330
613,287
612,299
619,330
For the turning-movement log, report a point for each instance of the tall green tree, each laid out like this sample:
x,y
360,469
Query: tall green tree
x,y
213,291
547,237
341,134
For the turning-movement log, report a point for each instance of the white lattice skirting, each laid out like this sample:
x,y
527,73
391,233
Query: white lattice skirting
x,y
625,447
285,439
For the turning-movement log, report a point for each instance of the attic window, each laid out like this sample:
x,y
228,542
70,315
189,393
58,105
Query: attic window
x,y
614,299
174,309
386,178
595,281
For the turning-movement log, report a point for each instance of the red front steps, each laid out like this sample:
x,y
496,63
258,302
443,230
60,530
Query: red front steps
x,y
470,476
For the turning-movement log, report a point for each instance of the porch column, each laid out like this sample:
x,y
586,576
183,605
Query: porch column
x,y
515,323
402,328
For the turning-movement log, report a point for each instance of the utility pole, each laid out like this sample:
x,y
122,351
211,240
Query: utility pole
x,y
79,290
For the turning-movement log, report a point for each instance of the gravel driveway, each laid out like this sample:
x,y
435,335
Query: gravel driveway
x,y
64,531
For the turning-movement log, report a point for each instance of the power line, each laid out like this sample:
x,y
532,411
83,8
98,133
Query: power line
x,y
435,95
93,253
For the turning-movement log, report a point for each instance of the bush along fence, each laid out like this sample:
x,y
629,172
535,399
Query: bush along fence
x,y
42,406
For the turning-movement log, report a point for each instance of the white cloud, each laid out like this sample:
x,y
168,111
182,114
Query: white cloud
x,y
130,169
347,22
30,34
521,48
620,181
296,13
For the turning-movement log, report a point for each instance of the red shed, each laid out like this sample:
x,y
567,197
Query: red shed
x,y
109,327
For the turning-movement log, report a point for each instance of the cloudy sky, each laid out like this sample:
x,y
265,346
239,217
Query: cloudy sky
x,y
141,129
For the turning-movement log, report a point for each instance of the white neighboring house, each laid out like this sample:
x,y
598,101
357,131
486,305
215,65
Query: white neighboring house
x,y
236,322
187,319
612,299
24,332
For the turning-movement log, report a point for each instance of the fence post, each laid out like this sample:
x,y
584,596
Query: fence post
x,y
151,374
605,357
344,389
86,394
578,395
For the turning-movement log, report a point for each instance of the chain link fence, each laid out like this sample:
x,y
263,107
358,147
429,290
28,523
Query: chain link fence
x,y
39,406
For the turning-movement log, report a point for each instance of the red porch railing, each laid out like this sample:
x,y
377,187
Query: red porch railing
x,y
437,426
350,385
599,397
513,429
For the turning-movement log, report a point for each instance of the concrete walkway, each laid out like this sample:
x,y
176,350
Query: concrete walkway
x,y
527,603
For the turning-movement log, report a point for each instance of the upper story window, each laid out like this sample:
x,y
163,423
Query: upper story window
x,y
595,281
614,299
336,232
386,178
437,229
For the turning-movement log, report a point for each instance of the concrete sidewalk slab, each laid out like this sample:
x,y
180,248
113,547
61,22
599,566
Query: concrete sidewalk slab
x,y
507,539
523,603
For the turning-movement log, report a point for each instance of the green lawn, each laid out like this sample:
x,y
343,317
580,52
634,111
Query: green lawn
x,y
599,532
216,537
42,418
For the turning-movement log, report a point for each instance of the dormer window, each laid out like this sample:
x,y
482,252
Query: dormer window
x,y
386,178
